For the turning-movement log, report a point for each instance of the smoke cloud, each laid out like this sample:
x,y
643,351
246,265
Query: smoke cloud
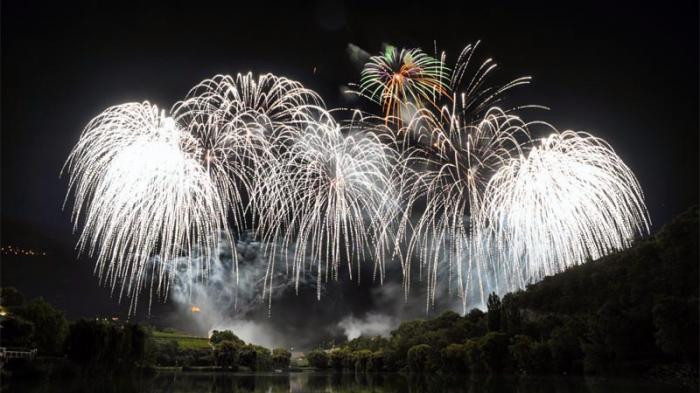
x,y
295,319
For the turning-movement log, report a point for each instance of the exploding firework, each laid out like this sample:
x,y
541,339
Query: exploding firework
x,y
571,198
399,77
452,171
329,200
470,85
141,189
443,176
454,144
241,123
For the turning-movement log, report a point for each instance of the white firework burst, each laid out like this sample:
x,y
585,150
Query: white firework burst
x,y
452,168
242,123
141,190
328,201
571,198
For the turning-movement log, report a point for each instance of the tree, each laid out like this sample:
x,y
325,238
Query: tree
x,y
263,358
135,343
419,358
676,323
494,312
224,335
317,358
361,358
50,326
475,357
16,332
106,346
529,356
454,358
85,342
511,321
565,346
376,361
10,297
281,358
255,357
226,354
166,353
339,358
494,347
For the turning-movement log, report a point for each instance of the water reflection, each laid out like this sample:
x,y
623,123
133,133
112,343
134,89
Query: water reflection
x,y
331,383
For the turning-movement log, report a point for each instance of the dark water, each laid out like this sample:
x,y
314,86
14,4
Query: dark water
x,y
340,383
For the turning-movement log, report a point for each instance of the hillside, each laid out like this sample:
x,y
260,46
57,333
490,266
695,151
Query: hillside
x,y
632,312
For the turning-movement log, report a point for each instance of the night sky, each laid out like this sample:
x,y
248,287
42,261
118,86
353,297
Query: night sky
x,y
626,72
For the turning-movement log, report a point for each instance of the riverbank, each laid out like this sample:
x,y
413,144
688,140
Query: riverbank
x,y
316,382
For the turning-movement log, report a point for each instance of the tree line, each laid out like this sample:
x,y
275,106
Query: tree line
x,y
103,345
634,311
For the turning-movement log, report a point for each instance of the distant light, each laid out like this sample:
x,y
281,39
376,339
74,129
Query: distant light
x,y
195,309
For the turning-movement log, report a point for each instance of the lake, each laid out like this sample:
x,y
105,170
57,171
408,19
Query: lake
x,y
183,382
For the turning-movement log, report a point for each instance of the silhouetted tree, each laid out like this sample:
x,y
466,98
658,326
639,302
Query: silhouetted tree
x,y
50,326
494,312
226,354
317,358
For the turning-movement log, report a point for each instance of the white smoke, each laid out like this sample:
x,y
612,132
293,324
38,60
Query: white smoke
x,y
218,300
370,325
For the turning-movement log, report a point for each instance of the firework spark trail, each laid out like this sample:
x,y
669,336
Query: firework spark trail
x,y
241,122
134,173
331,199
570,199
476,95
150,185
455,166
399,77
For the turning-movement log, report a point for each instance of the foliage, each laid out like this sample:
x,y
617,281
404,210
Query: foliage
x,y
95,344
419,358
224,335
624,313
255,357
319,358
226,354
10,297
281,358
16,332
454,358
494,312
50,326
676,326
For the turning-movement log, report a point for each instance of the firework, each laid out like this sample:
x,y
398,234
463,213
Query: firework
x,y
241,122
470,85
444,177
571,198
454,144
141,189
403,76
330,199
452,171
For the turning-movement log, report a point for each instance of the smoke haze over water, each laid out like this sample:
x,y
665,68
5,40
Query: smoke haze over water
x,y
346,310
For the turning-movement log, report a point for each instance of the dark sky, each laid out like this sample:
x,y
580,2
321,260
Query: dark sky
x,y
626,72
